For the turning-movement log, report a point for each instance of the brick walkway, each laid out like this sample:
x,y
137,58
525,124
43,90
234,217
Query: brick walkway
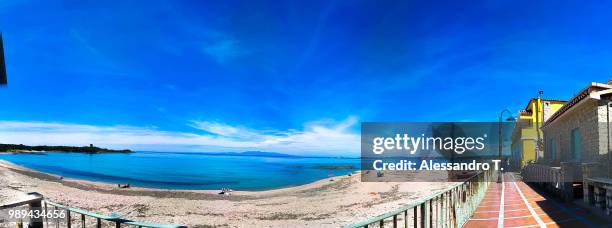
x,y
515,204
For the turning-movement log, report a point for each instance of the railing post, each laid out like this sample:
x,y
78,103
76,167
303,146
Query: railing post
x,y
46,219
395,221
454,209
406,218
415,219
98,223
440,212
36,206
82,221
431,213
449,207
445,209
425,215
57,221
68,219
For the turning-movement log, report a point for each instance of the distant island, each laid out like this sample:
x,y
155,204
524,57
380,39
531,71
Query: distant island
x,y
256,154
245,153
91,149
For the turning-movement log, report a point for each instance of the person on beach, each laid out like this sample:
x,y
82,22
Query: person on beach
x,y
225,191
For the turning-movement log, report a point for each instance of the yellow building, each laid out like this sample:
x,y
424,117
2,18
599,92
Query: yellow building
x,y
525,136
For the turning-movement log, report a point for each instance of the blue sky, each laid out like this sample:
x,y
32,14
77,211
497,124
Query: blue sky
x,y
288,76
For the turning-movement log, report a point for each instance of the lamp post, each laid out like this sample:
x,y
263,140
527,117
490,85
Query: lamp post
x,y
2,66
511,118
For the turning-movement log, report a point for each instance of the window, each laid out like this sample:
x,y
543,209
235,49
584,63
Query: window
x,y
575,144
552,149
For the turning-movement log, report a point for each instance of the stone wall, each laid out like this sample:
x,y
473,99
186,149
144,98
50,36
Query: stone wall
x,y
605,115
585,117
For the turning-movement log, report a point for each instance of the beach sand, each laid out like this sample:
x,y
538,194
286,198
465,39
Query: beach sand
x,y
331,202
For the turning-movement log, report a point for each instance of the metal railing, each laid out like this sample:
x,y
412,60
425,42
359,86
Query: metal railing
x,y
32,201
118,221
37,202
450,208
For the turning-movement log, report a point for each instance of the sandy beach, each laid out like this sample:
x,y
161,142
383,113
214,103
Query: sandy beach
x,y
331,202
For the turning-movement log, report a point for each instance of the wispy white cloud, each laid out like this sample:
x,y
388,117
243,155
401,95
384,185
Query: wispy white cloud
x,y
225,50
320,137
316,136
228,131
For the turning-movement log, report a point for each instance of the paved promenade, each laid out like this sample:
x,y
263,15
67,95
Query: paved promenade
x,y
515,204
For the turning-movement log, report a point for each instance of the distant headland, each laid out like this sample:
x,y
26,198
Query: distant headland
x,y
91,149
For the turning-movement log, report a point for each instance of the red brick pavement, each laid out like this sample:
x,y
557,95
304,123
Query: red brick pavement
x,y
524,207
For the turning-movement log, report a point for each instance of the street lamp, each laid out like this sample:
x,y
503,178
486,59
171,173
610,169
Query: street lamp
x,y
511,118
2,66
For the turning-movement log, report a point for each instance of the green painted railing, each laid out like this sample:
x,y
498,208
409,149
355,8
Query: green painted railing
x,y
37,202
450,208
99,218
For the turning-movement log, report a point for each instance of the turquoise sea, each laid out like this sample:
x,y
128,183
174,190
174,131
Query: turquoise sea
x,y
187,170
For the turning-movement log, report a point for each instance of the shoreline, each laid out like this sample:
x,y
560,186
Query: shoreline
x,y
330,202
111,188
74,182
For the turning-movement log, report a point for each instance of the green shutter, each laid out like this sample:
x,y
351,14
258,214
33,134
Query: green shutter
x,y
575,141
552,148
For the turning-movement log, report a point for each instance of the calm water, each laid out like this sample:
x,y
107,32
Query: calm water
x,y
186,170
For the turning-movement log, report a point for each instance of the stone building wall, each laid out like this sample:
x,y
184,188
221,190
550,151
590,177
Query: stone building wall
x,y
605,142
604,117
585,117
